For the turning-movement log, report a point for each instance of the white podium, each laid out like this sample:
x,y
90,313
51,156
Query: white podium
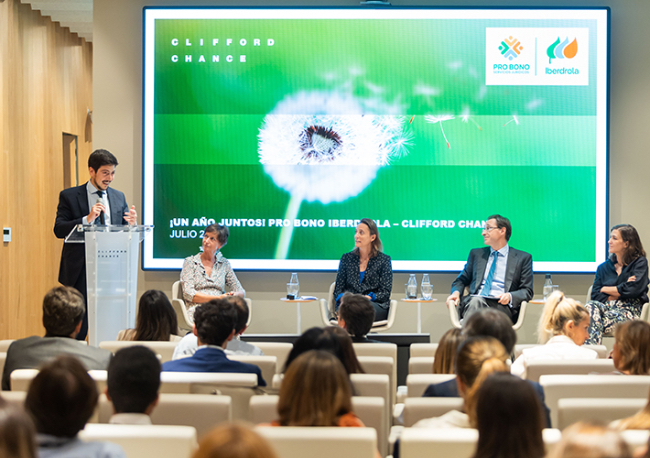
x,y
111,275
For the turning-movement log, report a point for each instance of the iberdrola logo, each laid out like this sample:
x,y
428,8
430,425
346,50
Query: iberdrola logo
x,y
562,50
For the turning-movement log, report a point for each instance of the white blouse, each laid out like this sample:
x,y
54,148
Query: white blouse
x,y
558,347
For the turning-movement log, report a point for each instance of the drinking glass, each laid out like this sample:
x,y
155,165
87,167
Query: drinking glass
x,y
427,291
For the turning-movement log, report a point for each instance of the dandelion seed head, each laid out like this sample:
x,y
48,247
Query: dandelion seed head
x,y
438,118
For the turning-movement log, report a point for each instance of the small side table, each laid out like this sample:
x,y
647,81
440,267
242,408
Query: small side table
x,y
298,302
537,301
419,302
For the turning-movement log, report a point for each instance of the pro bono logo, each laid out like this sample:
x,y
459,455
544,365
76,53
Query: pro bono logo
x,y
510,48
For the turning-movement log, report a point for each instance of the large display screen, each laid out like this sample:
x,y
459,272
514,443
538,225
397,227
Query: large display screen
x,y
290,125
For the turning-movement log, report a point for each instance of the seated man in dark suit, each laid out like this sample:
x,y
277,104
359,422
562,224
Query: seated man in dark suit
x,y
497,276
214,327
493,323
356,315
63,311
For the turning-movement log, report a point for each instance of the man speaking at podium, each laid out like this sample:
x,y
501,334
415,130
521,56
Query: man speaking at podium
x,y
91,203
498,276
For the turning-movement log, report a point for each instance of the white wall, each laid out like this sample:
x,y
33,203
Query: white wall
x,y
117,100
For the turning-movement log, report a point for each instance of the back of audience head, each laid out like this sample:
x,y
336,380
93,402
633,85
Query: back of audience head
x,y
509,419
563,316
234,440
133,380
315,391
61,398
242,312
587,440
332,339
631,352
17,433
63,310
445,357
493,323
215,322
157,319
477,358
356,314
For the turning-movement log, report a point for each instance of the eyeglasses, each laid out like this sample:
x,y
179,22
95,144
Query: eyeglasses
x,y
489,228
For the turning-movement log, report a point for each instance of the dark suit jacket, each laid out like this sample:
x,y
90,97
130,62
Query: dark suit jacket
x,y
209,359
73,206
449,389
519,274
31,352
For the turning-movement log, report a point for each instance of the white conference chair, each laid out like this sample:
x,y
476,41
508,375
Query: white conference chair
x,y
267,364
280,350
3,358
15,398
145,441
322,442
4,345
602,350
21,378
417,350
164,349
421,364
536,368
416,384
635,439
201,411
557,387
381,365
416,409
605,410
455,319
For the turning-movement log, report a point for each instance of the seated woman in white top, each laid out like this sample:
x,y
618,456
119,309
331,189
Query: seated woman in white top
x,y
563,328
477,358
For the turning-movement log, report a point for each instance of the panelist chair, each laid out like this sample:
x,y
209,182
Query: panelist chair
x,y
455,319
328,313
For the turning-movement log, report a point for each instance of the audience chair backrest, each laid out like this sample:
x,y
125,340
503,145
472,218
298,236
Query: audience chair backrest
x,y
178,303
536,368
423,349
636,439
421,364
263,409
164,349
280,350
145,441
416,384
15,398
21,378
602,350
416,409
277,381
3,358
201,411
324,442
268,364
4,345
557,387
100,378
606,410
381,365
376,349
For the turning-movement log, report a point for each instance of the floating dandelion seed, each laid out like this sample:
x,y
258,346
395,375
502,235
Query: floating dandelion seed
x,y
412,118
439,119
466,117
514,118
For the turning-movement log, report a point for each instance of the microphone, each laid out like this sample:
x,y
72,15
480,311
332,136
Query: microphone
x,y
102,221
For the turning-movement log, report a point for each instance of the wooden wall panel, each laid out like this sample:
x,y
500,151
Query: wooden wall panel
x,y
45,89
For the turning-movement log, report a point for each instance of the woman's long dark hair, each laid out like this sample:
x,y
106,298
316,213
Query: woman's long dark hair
x,y
509,419
156,317
634,248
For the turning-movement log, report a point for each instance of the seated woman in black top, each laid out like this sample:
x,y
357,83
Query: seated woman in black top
x,y
621,284
366,270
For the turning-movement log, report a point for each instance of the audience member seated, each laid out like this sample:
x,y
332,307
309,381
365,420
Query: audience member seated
x,y
188,344
366,270
631,351
563,328
445,357
156,320
586,440
621,284
214,326
60,400
132,385
493,323
17,433
316,391
205,275
63,311
332,339
509,419
356,315
234,441
477,358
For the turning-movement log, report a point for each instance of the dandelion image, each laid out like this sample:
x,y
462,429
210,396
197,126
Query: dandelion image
x,y
514,119
440,119
465,117
326,147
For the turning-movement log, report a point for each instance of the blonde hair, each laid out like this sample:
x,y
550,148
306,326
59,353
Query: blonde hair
x,y
235,440
586,440
558,311
633,341
640,420
477,358
445,357
316,391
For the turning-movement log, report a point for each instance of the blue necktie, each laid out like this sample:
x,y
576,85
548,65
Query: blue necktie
x,y
490,276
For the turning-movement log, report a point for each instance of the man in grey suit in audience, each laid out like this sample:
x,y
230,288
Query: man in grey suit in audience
x,y
63,311
497,275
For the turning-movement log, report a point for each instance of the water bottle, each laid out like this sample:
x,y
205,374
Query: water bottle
x,y
293,287
425,288
548,286
412,287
